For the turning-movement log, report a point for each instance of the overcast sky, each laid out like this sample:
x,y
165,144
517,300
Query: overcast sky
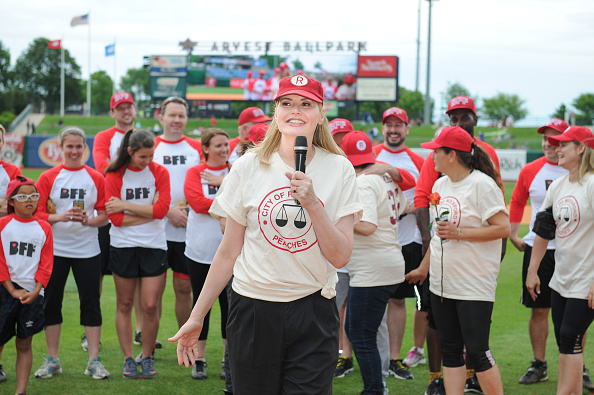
x,y
542,50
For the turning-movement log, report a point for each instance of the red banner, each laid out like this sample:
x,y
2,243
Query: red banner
x,y
55,44
377,66
14,146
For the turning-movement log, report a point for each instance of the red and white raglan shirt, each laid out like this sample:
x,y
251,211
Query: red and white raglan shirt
x,y
377,259
177,157
64,185
203,234
281,259
26,255
573,210
429,175
470,268
406,159
139,186
105,147
533,182
8,172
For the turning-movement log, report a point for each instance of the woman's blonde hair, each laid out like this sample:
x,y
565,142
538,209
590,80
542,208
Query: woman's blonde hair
x,y
72,131
2,131
322,138
586,162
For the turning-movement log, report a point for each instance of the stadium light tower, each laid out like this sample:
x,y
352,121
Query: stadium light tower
x,y
427,116
418,49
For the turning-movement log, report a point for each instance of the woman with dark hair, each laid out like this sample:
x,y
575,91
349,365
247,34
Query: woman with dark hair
x,y
287,231
203,233
138,197
464,257
567,216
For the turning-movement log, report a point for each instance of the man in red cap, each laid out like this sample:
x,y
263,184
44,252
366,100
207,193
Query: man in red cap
x,y
462,112
273,82
339,128
248,83
259,88
394,152
248,118
346,91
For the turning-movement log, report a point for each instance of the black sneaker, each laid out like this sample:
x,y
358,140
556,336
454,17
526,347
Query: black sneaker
x,y
199,370
2,374
587,383
537,372
472,385
436,387
343,367
399,370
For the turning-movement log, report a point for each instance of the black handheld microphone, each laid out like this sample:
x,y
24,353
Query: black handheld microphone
x,y
300,155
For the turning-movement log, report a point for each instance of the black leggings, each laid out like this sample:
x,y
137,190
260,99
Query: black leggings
x,y
463,323
198,272
571,318
87,274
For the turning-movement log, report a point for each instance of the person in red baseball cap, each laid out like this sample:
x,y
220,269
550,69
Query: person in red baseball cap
x,y
464,257
339,128
347,90
567,216
248,118
287,232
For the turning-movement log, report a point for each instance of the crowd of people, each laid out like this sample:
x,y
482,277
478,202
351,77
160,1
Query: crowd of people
x,y
311,257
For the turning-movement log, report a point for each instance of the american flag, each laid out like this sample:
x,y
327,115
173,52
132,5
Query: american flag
x,y
80,20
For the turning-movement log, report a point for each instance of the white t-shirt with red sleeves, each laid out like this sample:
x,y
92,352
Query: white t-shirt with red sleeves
x,y
533,182
65,185
8,172
573,210
177,157
139,187
203,234
234,149
377,259
281,259
26,251
408,232
105,147
470,268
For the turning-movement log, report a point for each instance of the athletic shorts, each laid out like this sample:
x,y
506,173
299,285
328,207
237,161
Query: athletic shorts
x,y
177,260
104,245
545,273
22,320
413,255
136,262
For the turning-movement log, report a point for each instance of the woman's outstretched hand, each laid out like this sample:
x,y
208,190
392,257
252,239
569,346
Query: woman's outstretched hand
x,y
187,342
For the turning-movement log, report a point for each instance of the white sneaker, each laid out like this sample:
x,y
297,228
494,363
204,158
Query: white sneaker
x,y
49,368
96,369
416,356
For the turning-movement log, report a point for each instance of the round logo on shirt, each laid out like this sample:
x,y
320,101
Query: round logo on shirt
x,y
451,204
567,216
285,224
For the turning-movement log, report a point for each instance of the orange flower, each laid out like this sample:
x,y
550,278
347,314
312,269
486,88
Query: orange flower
x,y
434,198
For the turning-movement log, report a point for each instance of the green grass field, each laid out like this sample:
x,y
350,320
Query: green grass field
x,y
509,343
417,135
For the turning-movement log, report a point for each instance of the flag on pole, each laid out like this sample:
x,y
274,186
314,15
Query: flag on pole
x,y
55,44
80,20
110,50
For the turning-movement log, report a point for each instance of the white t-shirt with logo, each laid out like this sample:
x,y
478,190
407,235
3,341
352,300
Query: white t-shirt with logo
x,y
574,254
281,260
377,259
470,268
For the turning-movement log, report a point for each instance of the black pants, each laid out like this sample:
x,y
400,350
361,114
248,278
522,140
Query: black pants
x,y
571,318
283,347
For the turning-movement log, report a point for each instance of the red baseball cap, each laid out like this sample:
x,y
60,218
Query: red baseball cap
x,y
575,133
357,147
283,65
15,184
340,125
395,112
349,78
252,114
120,97
257,133
302,86
556,124
461,102
453,137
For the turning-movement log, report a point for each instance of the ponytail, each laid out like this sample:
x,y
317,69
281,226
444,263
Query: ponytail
x,y
477,159
135,140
